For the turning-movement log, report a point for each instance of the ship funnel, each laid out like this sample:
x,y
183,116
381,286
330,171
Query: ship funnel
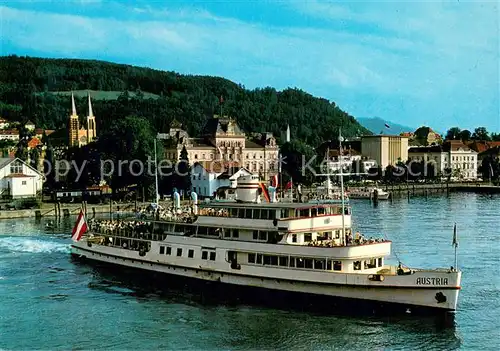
x,y
248,188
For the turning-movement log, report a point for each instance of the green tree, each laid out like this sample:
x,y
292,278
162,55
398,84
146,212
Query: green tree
x,y
465,135
481,133
127,151
453,134
182,178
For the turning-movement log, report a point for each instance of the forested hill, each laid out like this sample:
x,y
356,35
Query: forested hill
x,y
30,88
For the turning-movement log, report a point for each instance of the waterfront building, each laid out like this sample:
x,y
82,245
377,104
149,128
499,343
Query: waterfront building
x,y
223,140
9,134
451,155
18,179
423,136
30,126
385,149
4,123
346,160
78,135
207,177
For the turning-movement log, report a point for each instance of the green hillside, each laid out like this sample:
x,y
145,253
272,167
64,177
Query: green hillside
x,y
38,89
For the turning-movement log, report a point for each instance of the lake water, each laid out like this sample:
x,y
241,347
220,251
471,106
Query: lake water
x,y
47,301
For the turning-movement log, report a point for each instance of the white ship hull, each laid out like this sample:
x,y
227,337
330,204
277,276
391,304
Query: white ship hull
x,y
418,291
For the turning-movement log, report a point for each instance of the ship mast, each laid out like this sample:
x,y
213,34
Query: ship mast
x,y
342,187
156,176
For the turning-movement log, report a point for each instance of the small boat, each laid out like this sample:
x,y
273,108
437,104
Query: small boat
x,y
368,193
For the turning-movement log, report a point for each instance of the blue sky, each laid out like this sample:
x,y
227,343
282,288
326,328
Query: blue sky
x,y
428,62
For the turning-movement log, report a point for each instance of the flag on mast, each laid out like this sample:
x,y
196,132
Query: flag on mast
x,y
79,228
387,126
274,181
455,239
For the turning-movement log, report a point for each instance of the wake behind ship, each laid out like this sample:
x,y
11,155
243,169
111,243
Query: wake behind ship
x,y
308,250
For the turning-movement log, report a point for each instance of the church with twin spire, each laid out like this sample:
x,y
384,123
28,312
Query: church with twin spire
x,y
78,135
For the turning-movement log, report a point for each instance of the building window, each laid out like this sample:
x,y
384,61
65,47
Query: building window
x,y
179,252
251,258
162,250
23,182
212,256
204,255
169,250
191,253
16,167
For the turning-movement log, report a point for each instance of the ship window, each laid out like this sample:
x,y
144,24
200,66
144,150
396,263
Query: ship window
x,y
357,265
179,252
294,238
292,261
202,230
236,233
262,235
284,261
227,233
274,260
191,253
267,259
257,213
380,262
162,250
328,265
204,255
248,213
169,250
251,258
304,213
284,213
234,212
307,237
337,265
308,263
371,264
255,234
300,263
321,211
212,256
314,212
259,258
319,264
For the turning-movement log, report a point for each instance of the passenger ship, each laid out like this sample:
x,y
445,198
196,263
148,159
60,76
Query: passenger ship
x,y
301,249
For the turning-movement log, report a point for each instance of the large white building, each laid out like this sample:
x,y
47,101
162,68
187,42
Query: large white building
x,y
347,159
207,177
451,155
223,140
18,179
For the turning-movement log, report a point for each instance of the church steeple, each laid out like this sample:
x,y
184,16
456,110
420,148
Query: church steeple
x,y
73,125
91,128
91,114
73,106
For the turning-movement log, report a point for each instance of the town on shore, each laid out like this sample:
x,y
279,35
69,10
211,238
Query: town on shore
x,y
32,169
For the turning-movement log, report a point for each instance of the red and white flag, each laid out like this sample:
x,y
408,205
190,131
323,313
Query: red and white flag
x,y
80,227
274,181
